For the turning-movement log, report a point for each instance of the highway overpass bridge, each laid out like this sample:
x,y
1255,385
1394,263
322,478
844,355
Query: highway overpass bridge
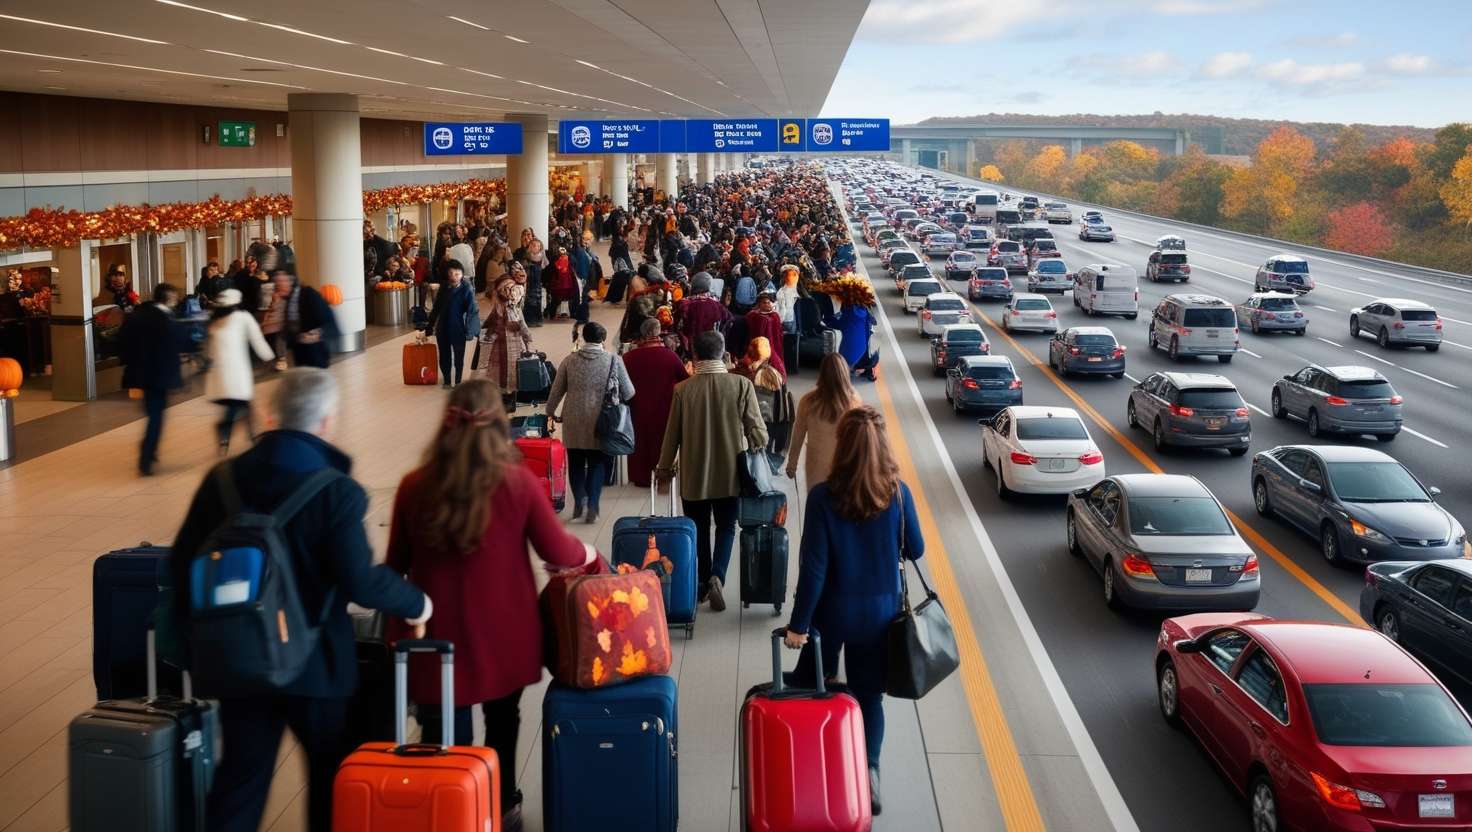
x,y
953,146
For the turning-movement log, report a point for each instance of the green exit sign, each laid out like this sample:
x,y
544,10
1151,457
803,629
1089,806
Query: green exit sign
x,y
237,134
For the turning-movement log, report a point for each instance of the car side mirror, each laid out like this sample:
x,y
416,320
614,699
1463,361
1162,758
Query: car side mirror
x,y
1187,646
1434,491
1288,377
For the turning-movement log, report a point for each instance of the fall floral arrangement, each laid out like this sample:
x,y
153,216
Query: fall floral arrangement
x,y
849,289
389,285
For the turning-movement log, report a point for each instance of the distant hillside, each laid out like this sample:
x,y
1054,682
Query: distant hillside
x,y
1232,136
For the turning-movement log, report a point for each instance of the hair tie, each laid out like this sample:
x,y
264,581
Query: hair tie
x,y
455,416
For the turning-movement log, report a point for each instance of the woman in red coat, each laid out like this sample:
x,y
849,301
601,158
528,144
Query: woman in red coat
x,y
654,369
764,322
461,525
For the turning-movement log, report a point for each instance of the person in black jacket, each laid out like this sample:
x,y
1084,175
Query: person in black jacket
x,y
149,346
307,320
333,565
211,284
454,321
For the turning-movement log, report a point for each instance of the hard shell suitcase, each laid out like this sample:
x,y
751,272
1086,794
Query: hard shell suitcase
x,y
421,363
419,787
142,765
605,629
674,538
532,375
547,458
767,509
371,709
803,762
622,737
764,566
124,595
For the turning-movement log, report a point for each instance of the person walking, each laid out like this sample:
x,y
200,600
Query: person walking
x,y
816,426
856,527
299,318
714,416
561,283
772,398
582,379
856,324
149,343
462,522
332,562
701,312
764,321
654,369
230,383
504,336
454,321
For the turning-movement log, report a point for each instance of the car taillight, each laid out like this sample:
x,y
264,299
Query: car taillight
x,y
1019,458
1177,410
1336,400
1051,315
1137,296
1344,797
940,355
1396,399
1118,352
1136,566
925,314
1015,385
1400,324
1186,269
1091,458
970,384
1251,567
1438,323
1074,350
1185,331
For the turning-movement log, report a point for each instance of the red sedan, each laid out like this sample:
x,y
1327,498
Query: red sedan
x,y
1322,726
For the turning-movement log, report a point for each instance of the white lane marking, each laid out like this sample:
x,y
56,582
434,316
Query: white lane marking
x,y
1431,378
1249,352
1375,358
1259,410
1325,308
1369,280
1131,378
1421,435
1335,343
1088,754
1455,344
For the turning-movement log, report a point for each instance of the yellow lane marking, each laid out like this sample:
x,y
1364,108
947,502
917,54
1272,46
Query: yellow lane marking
x,y
1253,535
1015,798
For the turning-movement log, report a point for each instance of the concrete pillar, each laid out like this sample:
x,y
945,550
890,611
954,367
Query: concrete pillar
x,y
73,361
1075,147
1180,142
666,174
527,200
970,158
707,169
905,157
327,203
618,178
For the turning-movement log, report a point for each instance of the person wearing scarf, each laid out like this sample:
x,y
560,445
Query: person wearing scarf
x,y
655,369
505,335
701,312
560,281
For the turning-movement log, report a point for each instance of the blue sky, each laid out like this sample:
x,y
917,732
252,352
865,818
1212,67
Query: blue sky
x,y
1390,62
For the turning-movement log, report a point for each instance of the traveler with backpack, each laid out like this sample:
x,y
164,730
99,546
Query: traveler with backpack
x,y
316,559
744,296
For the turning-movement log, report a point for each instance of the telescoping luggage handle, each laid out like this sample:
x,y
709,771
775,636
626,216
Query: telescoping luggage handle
x,y
778,685
152,657
654,495
402,649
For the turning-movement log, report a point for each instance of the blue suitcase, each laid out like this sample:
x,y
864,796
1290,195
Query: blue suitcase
x,y
675,539
622,737
124,593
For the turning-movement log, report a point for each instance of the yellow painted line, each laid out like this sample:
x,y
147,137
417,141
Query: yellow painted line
x,y
1015,797
1253,535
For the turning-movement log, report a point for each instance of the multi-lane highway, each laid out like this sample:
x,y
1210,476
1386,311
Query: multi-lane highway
x,y
1105,658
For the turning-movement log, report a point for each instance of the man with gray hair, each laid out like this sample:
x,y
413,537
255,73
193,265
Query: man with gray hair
x,y
701,312
333,564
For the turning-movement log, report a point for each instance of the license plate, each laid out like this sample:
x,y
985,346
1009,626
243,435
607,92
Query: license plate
x,y
1215,423
1052,464
1198,576
1438,806
1212,334
1096,358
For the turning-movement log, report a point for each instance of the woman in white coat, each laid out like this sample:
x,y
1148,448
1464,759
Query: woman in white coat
x,y
233,336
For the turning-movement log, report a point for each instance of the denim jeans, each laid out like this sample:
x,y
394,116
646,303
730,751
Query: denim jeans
x,y
588,470
871,703
713,559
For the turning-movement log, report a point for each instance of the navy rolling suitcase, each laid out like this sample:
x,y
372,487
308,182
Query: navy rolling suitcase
x,y
622,737
766,509
674,537
124,593
764,566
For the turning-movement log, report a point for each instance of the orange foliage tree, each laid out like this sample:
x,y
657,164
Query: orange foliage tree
x,y
1361,228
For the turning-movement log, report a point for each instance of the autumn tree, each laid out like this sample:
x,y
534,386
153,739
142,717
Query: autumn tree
x,y
1011,157
1043,169
1456,194
1361,228
1262,196
992,173
1451,144
1192,188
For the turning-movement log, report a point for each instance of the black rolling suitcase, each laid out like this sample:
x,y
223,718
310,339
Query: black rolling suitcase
x,y
764,566
142,765
617,286
124,593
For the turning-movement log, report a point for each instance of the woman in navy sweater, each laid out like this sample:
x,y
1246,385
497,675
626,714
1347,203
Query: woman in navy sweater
x,y
848,585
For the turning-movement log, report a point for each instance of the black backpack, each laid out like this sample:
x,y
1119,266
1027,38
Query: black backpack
x,y
248,631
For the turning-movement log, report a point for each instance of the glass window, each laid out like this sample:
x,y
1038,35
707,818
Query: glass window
x,y
1462,602
1177,516
1290,267
1224,648
1211,316
1406,716
959,336
1278,304
1043,427
1293,460
922,288
1105,501
1052,267
1094,340
1305,376
1313,471
1375,482
1207,398
1167,390
1366,388
1260,679
1033,304
990,372
1436,583
945,304
1173,259
1417,315
1003,423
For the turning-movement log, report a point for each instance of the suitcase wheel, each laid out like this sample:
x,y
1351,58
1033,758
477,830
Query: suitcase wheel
x,y
689,631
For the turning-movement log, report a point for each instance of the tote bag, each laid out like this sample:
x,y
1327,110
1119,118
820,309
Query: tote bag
x,y
922,644
615,428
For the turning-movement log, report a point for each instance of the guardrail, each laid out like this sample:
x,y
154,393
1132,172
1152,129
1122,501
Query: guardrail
x,y
1425,273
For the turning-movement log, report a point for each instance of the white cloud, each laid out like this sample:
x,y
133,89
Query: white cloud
x,y
1340,40
1312,77
1226,64
1200,7
1409,64
1142,65
954,21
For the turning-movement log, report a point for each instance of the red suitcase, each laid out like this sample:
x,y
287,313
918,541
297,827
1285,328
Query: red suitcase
x,y
803,763
421,363
421,787
547,458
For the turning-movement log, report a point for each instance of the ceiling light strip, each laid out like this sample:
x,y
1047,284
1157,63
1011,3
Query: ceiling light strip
x,y
152,69
468,22
82,29
225,15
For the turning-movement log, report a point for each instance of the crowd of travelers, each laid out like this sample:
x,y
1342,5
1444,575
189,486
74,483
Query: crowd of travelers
x,y
702,358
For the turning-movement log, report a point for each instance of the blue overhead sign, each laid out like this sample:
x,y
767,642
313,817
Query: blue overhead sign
x,y
731,135
845,135
792,135
629,136
484,138
672,136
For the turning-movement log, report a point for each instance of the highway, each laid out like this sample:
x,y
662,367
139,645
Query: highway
x,y
1105,658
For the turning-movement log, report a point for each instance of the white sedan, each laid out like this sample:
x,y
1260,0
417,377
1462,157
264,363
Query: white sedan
x,y
1030,312
1040,450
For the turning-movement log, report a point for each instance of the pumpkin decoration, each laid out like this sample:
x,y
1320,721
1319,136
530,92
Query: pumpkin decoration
x,y
332,293
11,377
389,285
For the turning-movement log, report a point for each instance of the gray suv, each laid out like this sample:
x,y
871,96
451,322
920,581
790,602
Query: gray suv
x,y
1195,325
1194,410
1398,322
1361,504
1349,399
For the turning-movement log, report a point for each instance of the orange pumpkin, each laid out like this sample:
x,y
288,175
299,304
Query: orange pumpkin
x,y
11,376
332,293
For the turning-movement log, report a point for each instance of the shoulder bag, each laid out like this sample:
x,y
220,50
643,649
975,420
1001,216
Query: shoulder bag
x,y
615,427
922,644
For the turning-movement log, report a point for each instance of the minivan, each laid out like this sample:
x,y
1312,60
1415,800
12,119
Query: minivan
x,y
919,290
1107,289
1195,325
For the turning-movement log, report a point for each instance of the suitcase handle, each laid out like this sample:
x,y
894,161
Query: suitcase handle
x,y
778,686
654,495
151,690
402,649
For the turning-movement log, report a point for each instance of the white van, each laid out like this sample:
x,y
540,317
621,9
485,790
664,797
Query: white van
x,y
1107,289
984,206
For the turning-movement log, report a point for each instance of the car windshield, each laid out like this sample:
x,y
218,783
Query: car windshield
x,y
1387,716
1033,304
1043,427
1279,304
1052,267
1218,316
1366,388
1099,226
1417,315
1291,267
1094,340
1375,482
919,288
1008,247
945,305
992,274
964,336
1177,516
1056,205
1211,398
991,372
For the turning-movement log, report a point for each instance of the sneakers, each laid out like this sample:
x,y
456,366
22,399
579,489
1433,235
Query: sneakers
x,y
577,510
874,803
592,516
714,594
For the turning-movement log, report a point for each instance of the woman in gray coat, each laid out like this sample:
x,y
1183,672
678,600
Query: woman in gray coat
x,y
581,381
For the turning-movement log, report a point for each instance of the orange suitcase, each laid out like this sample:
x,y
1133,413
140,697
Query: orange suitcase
x,y
421,363
420,787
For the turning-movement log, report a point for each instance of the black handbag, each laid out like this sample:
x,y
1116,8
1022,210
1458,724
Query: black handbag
x,y
756,472
922,645
615,427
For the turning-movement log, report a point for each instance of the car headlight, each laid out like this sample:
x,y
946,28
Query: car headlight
x,y
1361,530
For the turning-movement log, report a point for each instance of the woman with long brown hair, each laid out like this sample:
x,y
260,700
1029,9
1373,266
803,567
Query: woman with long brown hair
x,y
816,426
857,526
461,524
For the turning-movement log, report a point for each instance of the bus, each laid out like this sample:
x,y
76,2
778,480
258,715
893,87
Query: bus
x,y
984,206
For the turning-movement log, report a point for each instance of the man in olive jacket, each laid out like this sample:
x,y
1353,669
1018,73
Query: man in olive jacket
x,y
714,416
